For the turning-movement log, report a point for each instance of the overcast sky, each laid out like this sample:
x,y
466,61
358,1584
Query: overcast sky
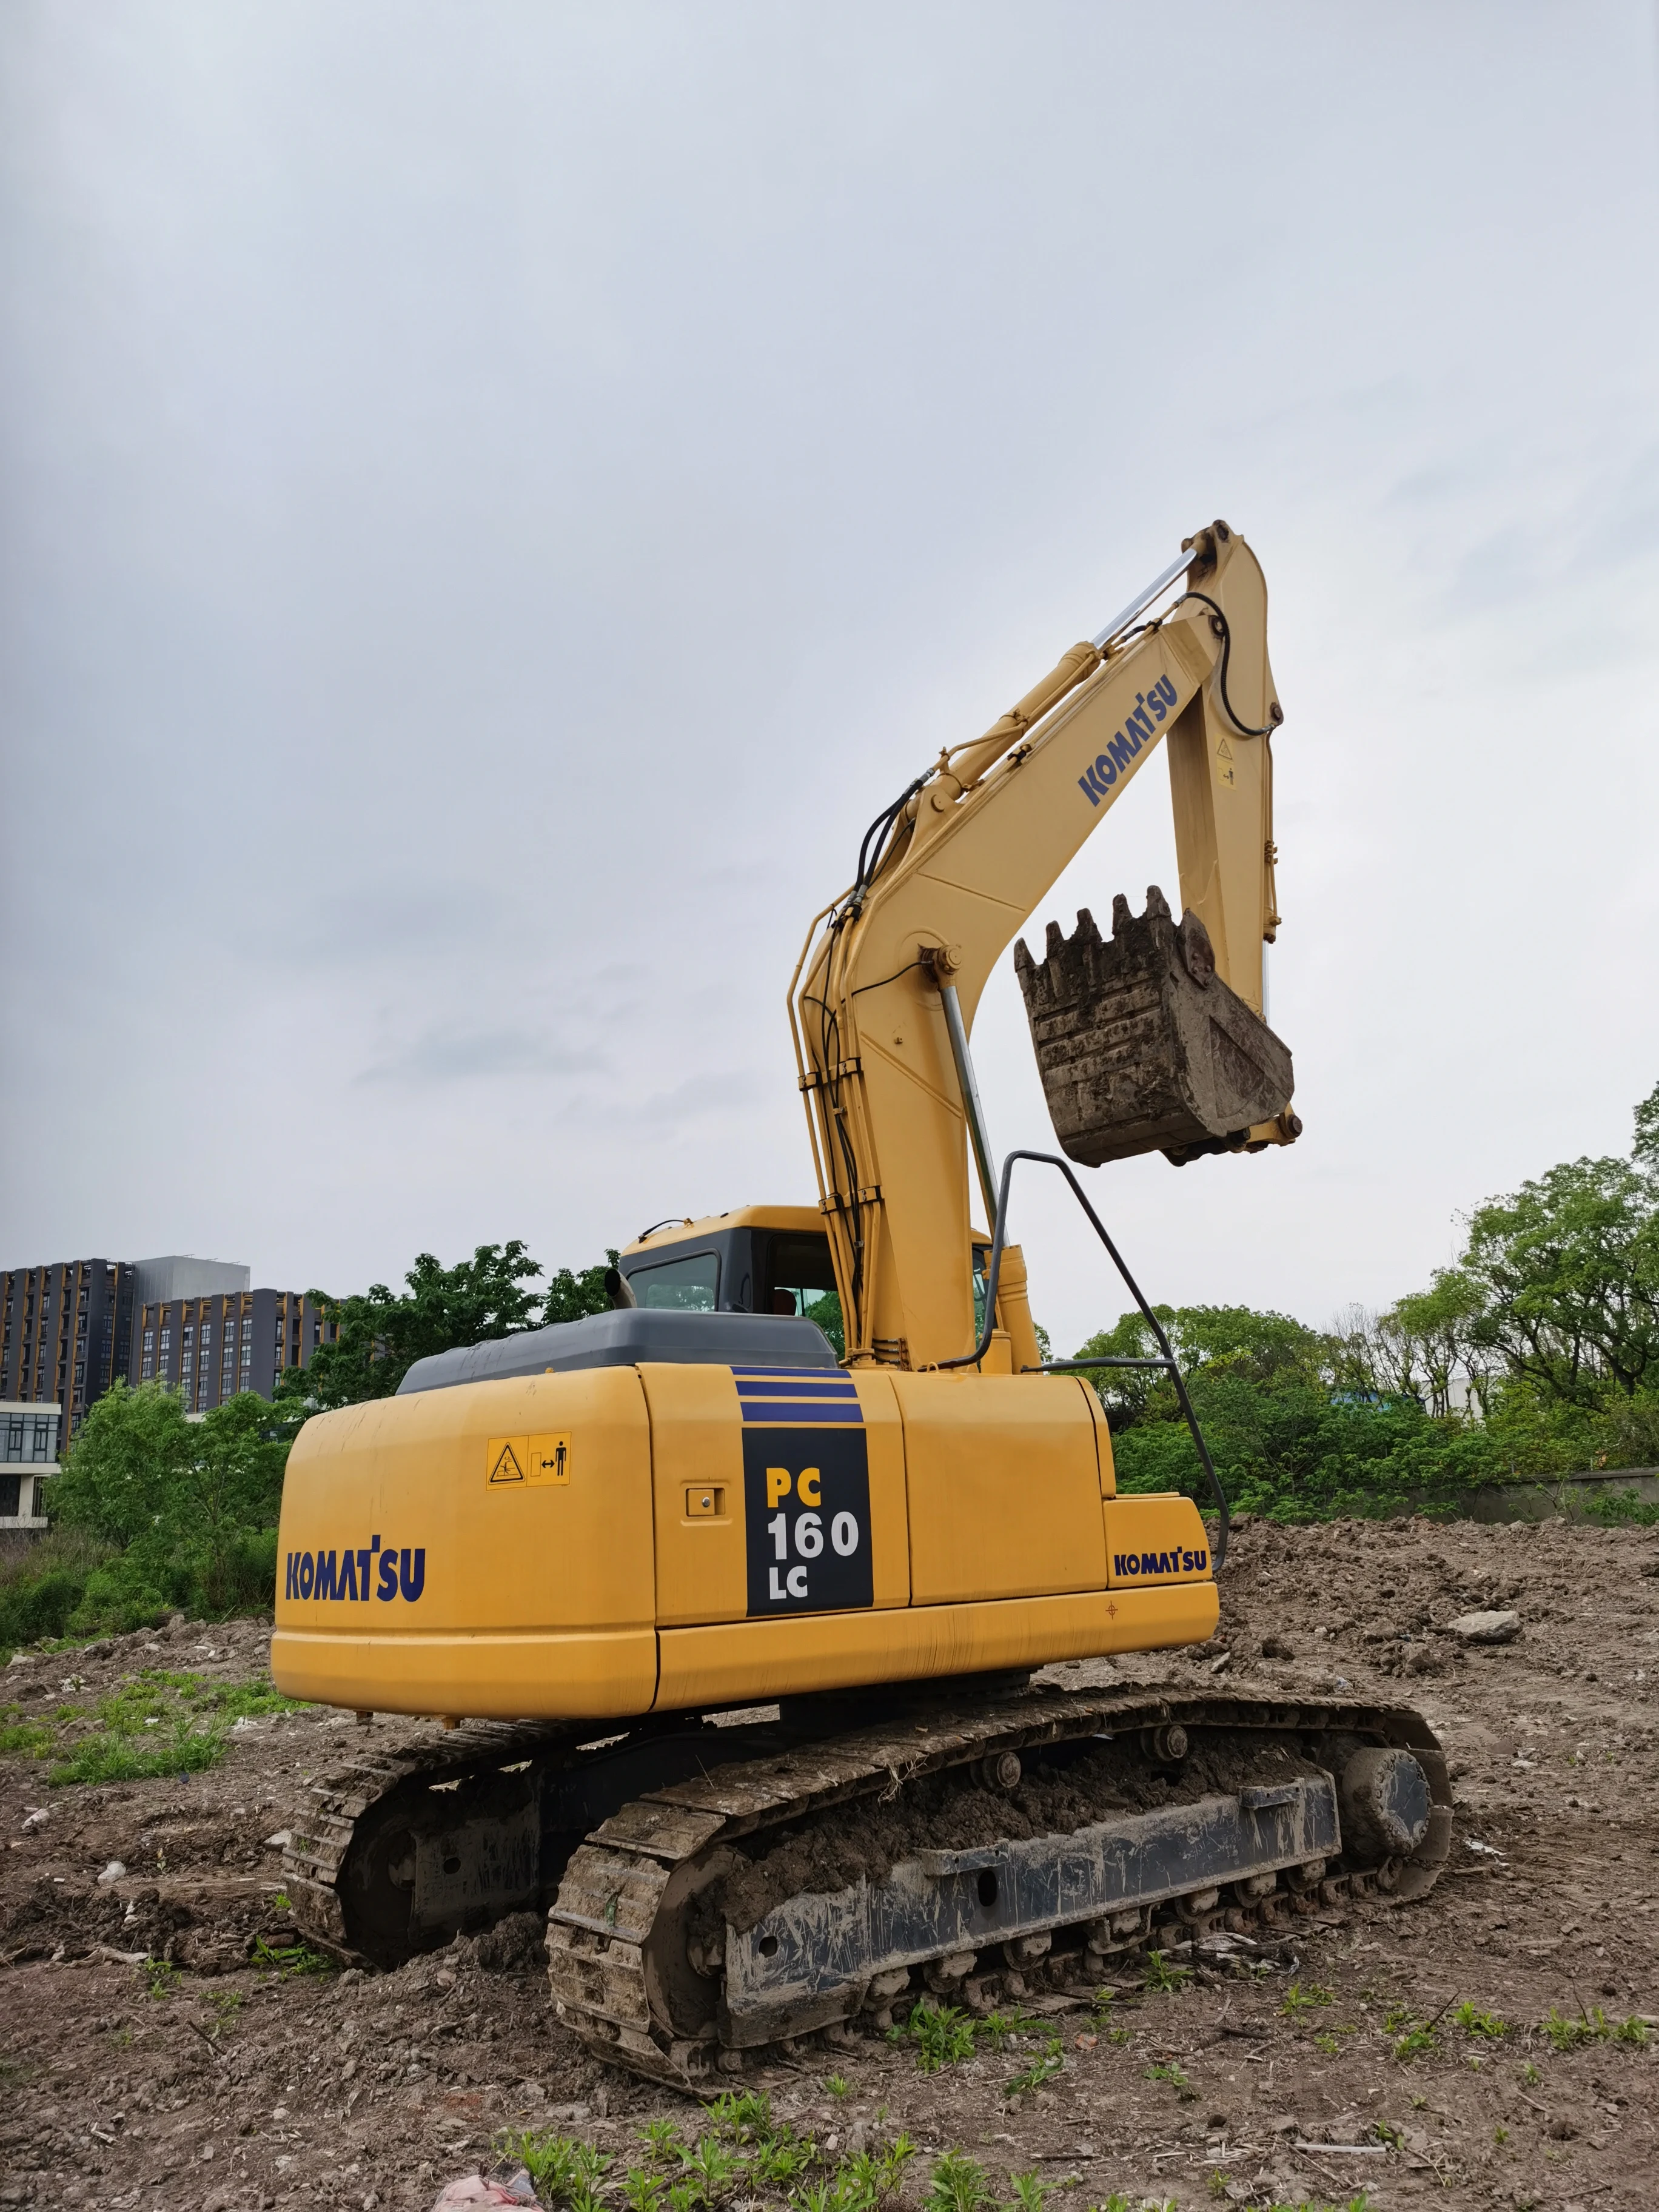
x,y
496,496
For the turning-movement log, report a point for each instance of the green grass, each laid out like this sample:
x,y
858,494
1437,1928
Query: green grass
x,y
286,1960
1175,2074
157,1724
1566,2034
25,1739
742,2151
957,2184
943,2035
160,1977
1160,1976
1472,2021
1298,2000
1040,2072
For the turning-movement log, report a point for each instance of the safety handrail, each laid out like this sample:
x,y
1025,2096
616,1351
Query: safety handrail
x,y
1115,1360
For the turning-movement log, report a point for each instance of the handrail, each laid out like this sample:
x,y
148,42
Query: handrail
x,y
1069,1366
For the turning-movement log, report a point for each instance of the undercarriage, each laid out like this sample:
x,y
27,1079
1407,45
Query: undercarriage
x,y
718,1887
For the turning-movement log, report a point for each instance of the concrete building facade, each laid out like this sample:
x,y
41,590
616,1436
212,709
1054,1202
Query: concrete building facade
x,y
211,1348
65,1335
28,1457
68,1330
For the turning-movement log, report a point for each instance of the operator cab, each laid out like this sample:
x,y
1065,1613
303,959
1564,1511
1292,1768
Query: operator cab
x,y
757,1259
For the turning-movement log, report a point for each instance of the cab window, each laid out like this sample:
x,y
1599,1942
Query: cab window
x,y
688,1285
800,1279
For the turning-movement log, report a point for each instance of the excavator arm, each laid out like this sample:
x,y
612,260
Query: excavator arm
x,y
952,872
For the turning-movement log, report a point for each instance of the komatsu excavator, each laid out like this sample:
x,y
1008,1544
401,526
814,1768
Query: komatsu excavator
x,y
732,1602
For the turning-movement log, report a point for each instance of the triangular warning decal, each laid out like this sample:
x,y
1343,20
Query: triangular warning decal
x,y
507,1468
1223,750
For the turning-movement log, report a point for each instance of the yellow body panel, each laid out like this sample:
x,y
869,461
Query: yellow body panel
x,y
697,1434
1004,1486
590,1674
598,1543
1156,1537
779,1658
482,1597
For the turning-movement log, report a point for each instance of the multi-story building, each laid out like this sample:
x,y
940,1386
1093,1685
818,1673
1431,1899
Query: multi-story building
x,y
211,1348
65,1333
28,1455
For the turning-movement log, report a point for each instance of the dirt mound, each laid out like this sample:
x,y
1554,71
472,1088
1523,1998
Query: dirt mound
x,y
212,2077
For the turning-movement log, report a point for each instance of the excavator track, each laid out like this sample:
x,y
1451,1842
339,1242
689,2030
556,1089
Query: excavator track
x,y
335,1833
644,1970
705,1914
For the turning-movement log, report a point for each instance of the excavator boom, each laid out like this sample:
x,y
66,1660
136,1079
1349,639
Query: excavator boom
x,y
948,877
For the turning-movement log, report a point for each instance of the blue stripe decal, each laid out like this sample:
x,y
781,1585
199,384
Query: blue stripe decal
x,y
794,1390
812,1396
814,1415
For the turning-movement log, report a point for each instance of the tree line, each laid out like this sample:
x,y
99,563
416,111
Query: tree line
x,y
1535,1354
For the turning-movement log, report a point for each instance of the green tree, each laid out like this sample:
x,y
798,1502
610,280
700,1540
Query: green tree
x,y
191,1504
375,1336
1266,1350
571,1296
121,1474
1567,1270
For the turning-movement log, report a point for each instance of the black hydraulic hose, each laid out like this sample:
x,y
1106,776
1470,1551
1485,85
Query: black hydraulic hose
x,y
1243,728
1168,1362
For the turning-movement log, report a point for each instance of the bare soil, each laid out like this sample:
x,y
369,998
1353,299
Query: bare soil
x,y
218,2082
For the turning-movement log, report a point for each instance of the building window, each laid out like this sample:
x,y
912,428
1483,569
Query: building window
x,y
247,1353
15,1437
11,1495
167,1342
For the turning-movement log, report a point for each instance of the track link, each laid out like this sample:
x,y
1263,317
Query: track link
x,y
630,1966
338,1805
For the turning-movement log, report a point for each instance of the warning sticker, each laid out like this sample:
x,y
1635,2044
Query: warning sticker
x,y
550,1459
522,1462
504,1460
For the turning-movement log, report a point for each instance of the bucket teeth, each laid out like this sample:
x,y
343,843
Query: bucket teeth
x,y
1142,1046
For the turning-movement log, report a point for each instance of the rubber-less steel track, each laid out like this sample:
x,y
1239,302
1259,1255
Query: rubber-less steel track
x,y
321,1839
628,1974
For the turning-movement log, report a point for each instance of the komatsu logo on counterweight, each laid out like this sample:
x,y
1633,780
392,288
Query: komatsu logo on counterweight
x,y
1150,710
369,1571
1159,1563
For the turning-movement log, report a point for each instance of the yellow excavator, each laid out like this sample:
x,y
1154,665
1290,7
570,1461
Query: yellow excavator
x,y
732,1601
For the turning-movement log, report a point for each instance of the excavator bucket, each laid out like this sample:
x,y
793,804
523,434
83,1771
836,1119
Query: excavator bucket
x,y
1142,1046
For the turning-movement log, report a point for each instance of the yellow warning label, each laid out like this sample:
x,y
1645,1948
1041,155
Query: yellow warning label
x,y
550,1458
506,1458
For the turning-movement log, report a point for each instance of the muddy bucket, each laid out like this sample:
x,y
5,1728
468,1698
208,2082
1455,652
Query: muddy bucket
x,y
1142,1046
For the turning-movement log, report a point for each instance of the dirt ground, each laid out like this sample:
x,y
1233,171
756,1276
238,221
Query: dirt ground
x,y
213,2082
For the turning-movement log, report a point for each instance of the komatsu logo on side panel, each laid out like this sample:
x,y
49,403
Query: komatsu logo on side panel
x,y
1150,710
1159,1563
368,1571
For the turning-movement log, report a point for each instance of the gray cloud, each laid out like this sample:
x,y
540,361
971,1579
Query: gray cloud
x,y
497,499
